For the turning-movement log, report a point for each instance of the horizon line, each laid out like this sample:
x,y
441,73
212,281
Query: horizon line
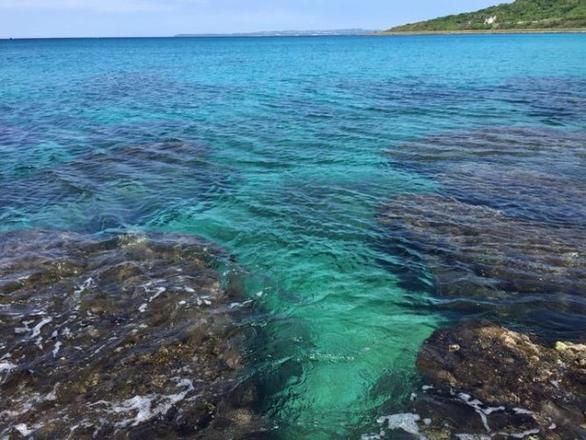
x,y
270,33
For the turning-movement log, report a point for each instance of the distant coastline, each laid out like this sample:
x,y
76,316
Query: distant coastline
x,y
287,33
485,32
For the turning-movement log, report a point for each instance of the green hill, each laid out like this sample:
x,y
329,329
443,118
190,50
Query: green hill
x,y
528,15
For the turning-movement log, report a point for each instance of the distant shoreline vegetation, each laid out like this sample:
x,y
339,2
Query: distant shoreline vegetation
x,y
521,16
391,33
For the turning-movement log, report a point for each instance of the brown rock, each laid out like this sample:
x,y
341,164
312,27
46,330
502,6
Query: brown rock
x,y
118,337
503,374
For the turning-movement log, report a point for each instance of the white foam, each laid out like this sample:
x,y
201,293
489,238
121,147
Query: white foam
x,y
23,430
477,405
237,305
158,292
472,437
52,395
58,345
378,436
204,300
87,284
140,404
406,422
23,407
521,435
37,328
7,366
490,410
25,329
149,406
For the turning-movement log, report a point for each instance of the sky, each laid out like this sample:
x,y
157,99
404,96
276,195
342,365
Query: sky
x,y
111,18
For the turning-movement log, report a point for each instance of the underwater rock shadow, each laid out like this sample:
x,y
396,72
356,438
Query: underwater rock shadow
x,y
476,255
529,173
554,100
503,234
112,188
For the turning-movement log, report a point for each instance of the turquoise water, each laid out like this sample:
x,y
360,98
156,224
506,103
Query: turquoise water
x,y
276,149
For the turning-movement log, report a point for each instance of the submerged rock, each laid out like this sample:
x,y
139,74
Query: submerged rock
x,y
118,337
527,173
529,147
477,256
476,250
553,100
501,384
108,188
508,218
522,193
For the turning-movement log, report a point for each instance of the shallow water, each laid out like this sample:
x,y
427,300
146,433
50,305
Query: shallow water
x,y
283,152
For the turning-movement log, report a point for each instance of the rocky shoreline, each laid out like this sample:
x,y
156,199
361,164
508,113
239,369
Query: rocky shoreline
x,y
483,382
119,336
513,385
500,244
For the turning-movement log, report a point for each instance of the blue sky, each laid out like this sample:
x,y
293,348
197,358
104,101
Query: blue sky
x,y
93,18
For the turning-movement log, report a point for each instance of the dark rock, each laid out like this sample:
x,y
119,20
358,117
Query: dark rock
x,y
116,186
503,236
477,257
527,173
119,337
475,250
507,382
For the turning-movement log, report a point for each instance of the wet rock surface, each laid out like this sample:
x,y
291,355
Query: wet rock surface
x,y
486,380
483,381
119,337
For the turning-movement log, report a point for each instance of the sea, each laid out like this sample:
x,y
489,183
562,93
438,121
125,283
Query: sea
x,y
314,162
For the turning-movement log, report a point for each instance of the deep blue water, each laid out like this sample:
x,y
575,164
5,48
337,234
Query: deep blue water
x,y
283,151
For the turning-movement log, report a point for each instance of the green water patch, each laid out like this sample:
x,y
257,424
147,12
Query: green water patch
x,y
333,321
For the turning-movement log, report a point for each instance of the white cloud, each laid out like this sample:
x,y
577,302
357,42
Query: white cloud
x,y
96,5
